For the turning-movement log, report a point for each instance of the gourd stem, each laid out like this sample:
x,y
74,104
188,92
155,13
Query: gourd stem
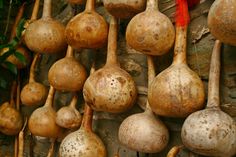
x,y
74,101
13,90
88,112
90,5
32,67
180,46
17,20
35,10
112,43
47,7
214,77
151,76
69,52
152,5
50,97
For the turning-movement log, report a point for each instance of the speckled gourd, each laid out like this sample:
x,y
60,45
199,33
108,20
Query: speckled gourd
x,y
87,29
143,132
150,32
67,74
45,35
177,91
83,142
211,132
69,117
110,89
33,93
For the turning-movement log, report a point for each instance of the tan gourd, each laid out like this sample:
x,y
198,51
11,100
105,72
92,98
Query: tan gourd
x,y
87,29
110,88
177,91
42,121
150,32
211,132
67,74
124,8
20,48
69,117
33,93
83,142
45,35
221,21
11,120
143,132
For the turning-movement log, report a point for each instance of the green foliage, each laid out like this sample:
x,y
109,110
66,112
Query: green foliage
x,y
11,50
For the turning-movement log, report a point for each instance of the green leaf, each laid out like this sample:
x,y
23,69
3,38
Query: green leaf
x,y
3,83
20,28
11,67
4,46
20,56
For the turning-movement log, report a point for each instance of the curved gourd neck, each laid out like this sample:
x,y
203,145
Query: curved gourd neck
x,y
214,77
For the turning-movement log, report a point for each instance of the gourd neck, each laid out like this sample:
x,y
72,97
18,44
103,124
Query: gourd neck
x,y
214,77
74,101
47,7
90,5
112,43
152,5
151,76
88,112
35,10
180,46
32,68
50,97
87,118
69,52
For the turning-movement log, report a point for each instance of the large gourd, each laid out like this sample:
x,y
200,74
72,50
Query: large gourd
x,y
110,89
211,132
177,91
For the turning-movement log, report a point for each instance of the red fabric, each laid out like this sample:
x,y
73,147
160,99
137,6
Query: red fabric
x,y
193,3
182,15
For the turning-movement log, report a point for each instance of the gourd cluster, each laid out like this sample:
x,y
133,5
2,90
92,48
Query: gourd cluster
x,y
176,92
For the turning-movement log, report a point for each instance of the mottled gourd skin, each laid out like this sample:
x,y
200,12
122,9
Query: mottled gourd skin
x,y
68,117
124,8
82,143
210,132
144,133
222,21
33,94
45,36
67,75
151,33
176,92
87,30
11,121
110,89
42,123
